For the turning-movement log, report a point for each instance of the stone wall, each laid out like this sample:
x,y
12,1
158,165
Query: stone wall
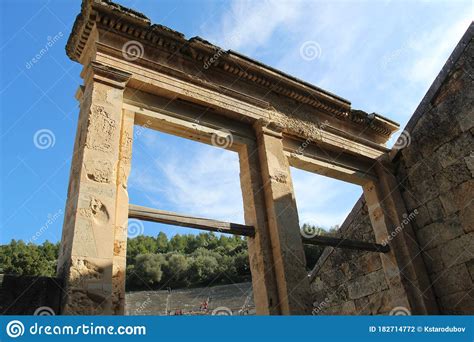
x,y
436,172
434,166
348,281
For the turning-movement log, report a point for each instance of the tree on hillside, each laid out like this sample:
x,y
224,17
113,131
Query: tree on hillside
x,y
29,259
147,269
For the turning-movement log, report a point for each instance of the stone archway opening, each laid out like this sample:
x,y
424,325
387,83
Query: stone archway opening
x,y
323,204
198,271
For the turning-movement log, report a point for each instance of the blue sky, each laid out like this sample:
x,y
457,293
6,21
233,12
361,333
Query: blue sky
x,y
381,55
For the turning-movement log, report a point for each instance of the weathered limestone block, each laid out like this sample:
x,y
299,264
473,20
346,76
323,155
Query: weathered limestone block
x,y
411,155
423,217
102,130
378,303
420,172
470,267
100,171
346,308
88,287
435,209
84,242
330,296
453,175
425,190
454,150
470,162
434,262
440,129
458,198
365,264
438,233
458,250
332,277
410,200
452,280
467,217
460,303
366,285
96,210
317,285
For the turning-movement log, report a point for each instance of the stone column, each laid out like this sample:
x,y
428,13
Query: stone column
x,y
93,246
404,268
282,219
264,285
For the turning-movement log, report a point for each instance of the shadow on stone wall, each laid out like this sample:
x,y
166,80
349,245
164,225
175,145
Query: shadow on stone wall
x,y
25,295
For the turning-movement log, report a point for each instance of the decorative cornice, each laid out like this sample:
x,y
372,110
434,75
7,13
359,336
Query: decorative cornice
x,y
118,77
136,26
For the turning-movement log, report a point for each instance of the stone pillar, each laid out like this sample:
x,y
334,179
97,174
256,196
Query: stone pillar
x,y
260,246
282,219
404,268
93,246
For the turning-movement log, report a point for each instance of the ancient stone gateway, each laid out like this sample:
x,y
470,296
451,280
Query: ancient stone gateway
x,y
136,73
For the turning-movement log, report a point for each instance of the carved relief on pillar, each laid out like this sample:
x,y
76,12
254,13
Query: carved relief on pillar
x,y
92,263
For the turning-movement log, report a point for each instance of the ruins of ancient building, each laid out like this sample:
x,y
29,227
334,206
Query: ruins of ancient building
x,y
408,242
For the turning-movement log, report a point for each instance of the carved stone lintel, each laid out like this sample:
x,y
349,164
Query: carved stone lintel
x,y
269,127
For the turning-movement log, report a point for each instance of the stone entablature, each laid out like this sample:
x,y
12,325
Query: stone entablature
x,y
254,80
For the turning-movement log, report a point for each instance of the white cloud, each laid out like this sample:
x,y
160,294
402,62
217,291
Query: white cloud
x,y
247,25
439,43
323,201
192,178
